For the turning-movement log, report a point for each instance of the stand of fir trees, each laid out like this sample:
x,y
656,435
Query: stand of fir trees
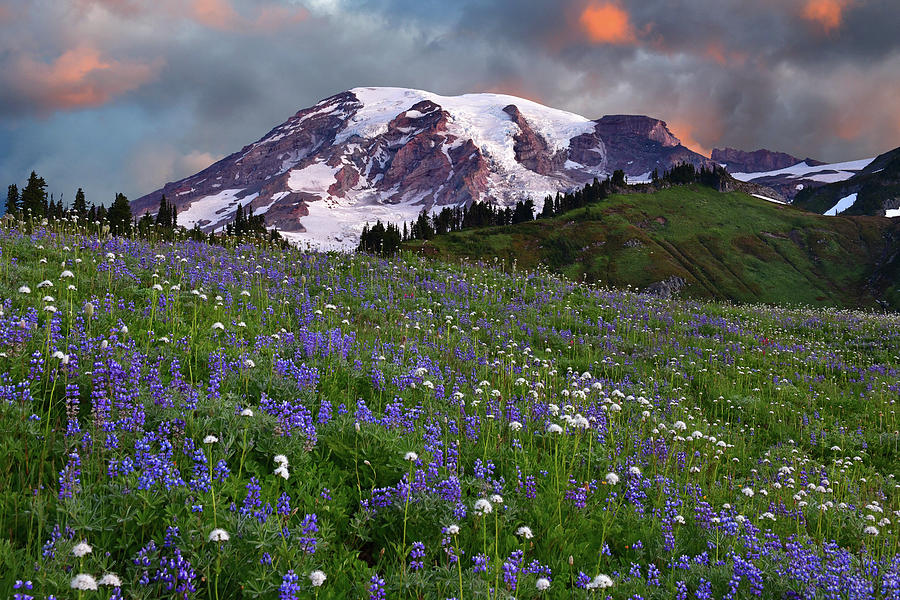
x,y
31,207
380,239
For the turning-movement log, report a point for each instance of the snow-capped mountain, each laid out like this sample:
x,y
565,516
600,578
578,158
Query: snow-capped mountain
x,y
740,161
791,180
873,191
388,153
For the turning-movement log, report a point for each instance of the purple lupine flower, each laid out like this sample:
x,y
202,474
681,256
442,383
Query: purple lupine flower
x,y
290,586
376,588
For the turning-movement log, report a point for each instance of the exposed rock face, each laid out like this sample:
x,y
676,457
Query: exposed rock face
x,y
532,150
638,145
667,287
389,153
739,161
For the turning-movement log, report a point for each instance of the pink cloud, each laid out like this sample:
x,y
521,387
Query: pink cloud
x,y
80,77
828,14
607,23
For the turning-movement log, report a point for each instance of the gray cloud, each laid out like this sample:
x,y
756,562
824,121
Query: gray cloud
x,y
132,93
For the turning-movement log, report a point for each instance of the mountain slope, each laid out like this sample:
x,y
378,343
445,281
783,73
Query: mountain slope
x,y
717,245
873,191
790,181
739,161
388,153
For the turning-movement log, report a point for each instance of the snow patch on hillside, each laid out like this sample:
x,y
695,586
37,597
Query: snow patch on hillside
x,y
213,209
830,173
843,204
313,179
767,199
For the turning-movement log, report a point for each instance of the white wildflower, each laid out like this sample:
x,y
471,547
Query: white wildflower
x,y
111,579
542,584
66,274
317,578
554,428
247,412
600,582
282,471
281,459
217,325
82,549
612,478
210,439
411,456
453,529
24,290
483,507
219,535
83,581
525,532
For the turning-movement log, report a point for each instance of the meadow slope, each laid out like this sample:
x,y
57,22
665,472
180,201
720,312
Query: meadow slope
x,y
182,420
724,246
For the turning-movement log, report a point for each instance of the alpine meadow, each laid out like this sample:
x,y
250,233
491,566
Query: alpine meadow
x,y
449,300
248,420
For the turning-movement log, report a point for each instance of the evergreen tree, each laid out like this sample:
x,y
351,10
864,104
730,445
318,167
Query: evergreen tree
x,y
12,200
163,216
34,196
79,208
119,215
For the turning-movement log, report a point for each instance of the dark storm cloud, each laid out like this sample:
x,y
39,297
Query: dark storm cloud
x,y
128,94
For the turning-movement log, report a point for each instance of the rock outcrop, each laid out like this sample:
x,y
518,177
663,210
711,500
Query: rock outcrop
x,y
740,161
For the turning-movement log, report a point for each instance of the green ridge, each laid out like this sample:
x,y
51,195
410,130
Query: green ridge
x,y
727,246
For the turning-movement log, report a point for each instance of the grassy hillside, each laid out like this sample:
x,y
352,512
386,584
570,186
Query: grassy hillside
x,y
188,421
725,246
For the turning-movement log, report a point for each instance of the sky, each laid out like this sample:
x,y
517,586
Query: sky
x,y
126,95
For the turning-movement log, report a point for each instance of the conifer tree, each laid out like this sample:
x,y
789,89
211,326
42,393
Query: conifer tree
x,y
119,215
12,200
80,205
34,196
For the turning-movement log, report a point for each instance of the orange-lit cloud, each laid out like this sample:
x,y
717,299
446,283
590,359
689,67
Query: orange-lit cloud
x,y
717,52
607,23
828,14
216,14
685,131
512,86
79,78
221,15
274,17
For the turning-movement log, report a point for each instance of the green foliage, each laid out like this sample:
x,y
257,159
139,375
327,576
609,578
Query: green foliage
x,y
727,246
401,346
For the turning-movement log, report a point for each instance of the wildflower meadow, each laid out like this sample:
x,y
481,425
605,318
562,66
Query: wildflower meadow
x,y
187,420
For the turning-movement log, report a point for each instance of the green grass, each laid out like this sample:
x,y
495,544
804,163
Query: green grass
x,y
725,246
355,360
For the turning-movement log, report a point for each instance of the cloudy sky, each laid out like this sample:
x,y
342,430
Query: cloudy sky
x,y
125,95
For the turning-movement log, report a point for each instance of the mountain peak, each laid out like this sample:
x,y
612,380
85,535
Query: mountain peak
x,y
388,153
740,161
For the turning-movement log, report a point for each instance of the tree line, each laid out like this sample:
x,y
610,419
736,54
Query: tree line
x,y
387,239
34,204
